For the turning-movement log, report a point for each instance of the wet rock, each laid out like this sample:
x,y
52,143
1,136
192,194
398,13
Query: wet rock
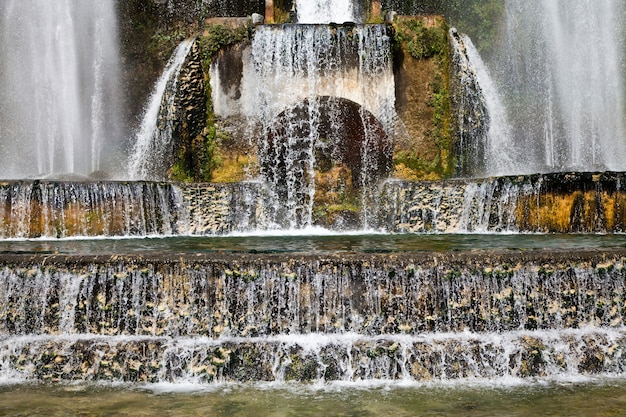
x,y
468,102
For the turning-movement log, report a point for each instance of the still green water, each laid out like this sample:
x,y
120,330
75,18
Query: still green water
x,y
604,399
315,243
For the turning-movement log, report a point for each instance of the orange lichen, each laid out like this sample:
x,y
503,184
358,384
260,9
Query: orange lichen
x,y
572,212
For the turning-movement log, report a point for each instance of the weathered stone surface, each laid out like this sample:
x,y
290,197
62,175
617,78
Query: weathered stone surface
x,y
468,104
547,203
562,203
426,358
250,295
422,148
189,145
268,317
352,153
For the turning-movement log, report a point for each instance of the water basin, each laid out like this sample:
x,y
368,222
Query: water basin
x,y
316,243
554,399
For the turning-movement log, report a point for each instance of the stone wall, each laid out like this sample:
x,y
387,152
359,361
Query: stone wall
x,y
211,318
550,203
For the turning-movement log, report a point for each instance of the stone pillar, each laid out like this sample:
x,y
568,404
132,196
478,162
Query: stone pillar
x,y
376,10
269,11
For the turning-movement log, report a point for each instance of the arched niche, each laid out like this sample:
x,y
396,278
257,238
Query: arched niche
x,y
324,151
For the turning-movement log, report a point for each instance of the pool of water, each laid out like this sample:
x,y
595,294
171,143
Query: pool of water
x,y
606,398
320,243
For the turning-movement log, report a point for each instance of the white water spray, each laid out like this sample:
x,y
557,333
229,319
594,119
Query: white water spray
x,y
153,141
59,77
325,11
562,68
297,71
500,152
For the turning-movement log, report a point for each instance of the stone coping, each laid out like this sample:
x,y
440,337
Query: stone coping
x,y
468,259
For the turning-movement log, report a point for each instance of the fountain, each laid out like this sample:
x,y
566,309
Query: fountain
x,y
566,114
354,168
153,147
61,104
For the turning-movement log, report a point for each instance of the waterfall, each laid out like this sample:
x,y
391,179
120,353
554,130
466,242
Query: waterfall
x,y
537,203
499,150
153,143
297,62
69,209
59,98
326,11
243,318
561,69
305,77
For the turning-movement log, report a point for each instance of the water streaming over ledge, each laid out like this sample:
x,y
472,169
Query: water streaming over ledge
x,y
180,318
326,11
59,95
309,75
562,203
485,144
324,318
153,149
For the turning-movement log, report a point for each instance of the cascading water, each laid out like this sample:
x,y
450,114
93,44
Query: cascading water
x,y
326,11
201,317
348,318
31,209
153,143
59,98
561,70
306,72
486,147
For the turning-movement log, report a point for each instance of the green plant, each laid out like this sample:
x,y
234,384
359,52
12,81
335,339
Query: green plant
x,y
217,37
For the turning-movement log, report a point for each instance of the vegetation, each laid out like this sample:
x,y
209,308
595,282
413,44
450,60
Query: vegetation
x,y
478,18
217,37
420,41
214,39
428,42
417,38
204,152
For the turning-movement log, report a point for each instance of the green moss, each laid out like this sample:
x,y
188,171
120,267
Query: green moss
x,y
442,118
206,145
206,150
217,37
416,164
422,42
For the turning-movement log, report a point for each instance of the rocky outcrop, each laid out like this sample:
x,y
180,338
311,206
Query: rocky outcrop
x,y
469,105
546,203
190,144
422,148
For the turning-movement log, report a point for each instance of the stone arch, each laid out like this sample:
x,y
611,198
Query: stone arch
x,y
332,130
323,158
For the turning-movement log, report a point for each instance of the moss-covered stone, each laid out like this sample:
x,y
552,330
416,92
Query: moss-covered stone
x,y
204,156
421,67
